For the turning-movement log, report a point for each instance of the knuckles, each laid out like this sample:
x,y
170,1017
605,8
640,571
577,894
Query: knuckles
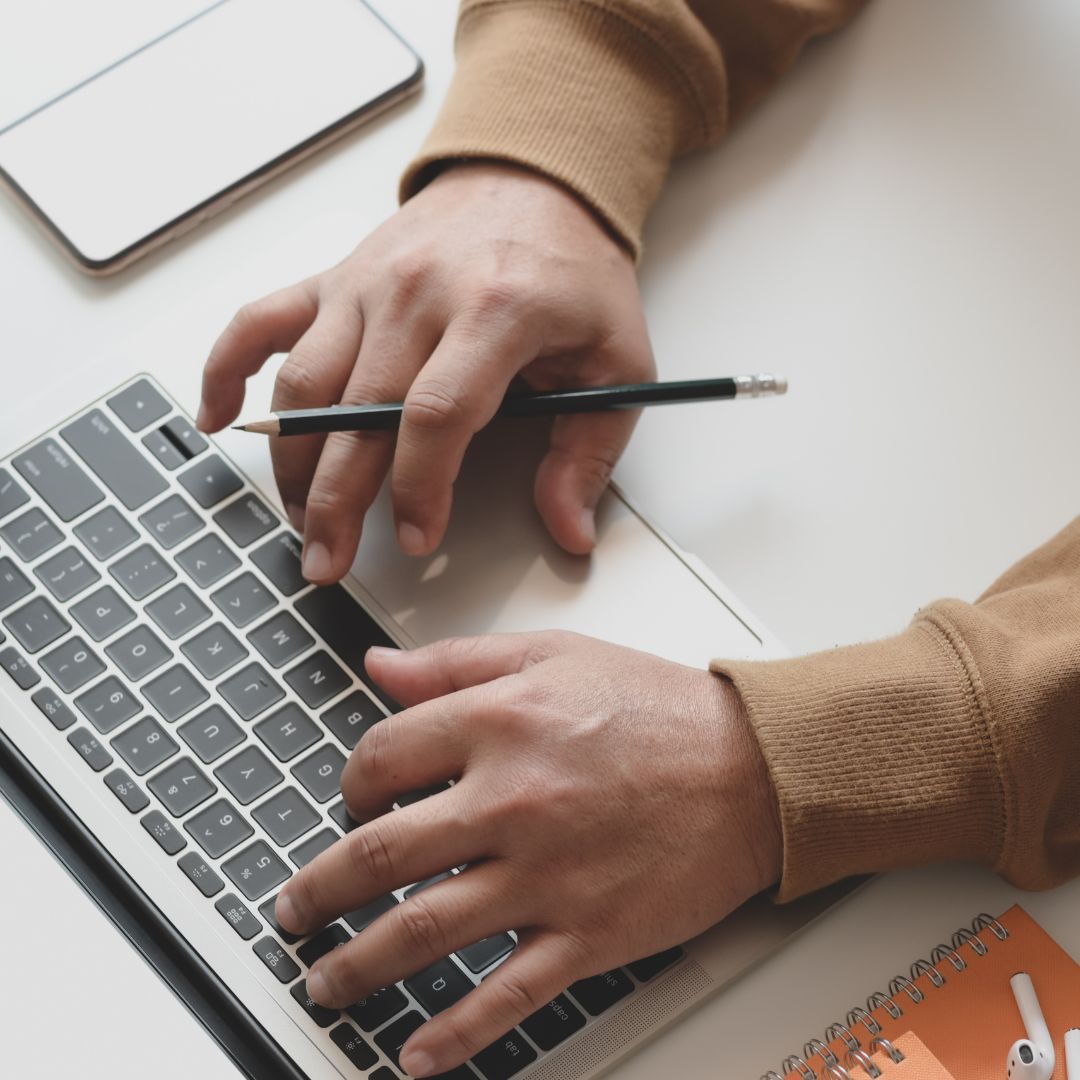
x,y
372,853
435,405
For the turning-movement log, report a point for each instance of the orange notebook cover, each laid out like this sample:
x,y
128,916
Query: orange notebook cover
x,y
958,1003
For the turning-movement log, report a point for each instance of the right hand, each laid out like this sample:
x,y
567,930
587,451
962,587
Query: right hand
x,y
488,273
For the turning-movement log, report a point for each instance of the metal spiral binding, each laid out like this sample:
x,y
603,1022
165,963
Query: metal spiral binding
x,y
857,1057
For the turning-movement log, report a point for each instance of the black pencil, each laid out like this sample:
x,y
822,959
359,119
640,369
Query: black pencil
x,y
387,417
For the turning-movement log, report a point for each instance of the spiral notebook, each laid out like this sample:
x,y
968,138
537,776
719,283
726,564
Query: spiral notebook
x,y
954,1011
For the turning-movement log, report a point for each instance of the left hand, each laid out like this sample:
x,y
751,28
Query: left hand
x,y
608,804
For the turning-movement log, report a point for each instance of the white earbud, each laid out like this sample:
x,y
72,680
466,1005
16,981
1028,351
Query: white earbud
x,y
1072,1053
1031,1058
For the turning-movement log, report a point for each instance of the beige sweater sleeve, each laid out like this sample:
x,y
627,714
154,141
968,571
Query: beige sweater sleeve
x,y
601,95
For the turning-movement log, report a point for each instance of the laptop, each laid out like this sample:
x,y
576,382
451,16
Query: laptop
x,y
171,684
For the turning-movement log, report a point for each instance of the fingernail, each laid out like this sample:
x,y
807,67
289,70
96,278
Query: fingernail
x,y
588,525
380,653
317,987
285,911
411,539
417,1062
203,418
316,564
296,516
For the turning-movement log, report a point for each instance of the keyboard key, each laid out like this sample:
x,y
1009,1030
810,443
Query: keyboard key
x,y
102,613
326,940
256,870
394,1036
246,520
180,432
177,612
72,664
340,814
288,731
386,1073
238,915
374,1010
250,691
210,481
92,752
303,853
243,599
31,534
351,717
650,966
12,494
212,733
166,834
48,702
279,560
171,522
317,679
554,1023
142,572
181,787
248,775
214,650
14,584
484,953
364,916
286,816
106,533
320,772
138,652
175,692
266,910
36,624
126,790
199,872
108,704
439,986
505,1057
598,993
163,450
280,639
322,1016
276,959
420,794
138,405
218,828
207,561
420,886
58,479
144,746
115,461
18,667
66,574
351,1043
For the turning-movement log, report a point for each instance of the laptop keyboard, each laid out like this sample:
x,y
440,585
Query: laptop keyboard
x,y
153,611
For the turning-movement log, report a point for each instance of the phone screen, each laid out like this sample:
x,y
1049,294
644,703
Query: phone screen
x,y
215,96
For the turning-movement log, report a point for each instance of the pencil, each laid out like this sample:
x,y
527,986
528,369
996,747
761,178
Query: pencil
x,y
387,416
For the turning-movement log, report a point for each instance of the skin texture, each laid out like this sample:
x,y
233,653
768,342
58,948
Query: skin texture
x,y
608,804
488,274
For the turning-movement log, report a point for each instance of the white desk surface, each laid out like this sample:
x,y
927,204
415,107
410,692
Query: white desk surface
x,y
896,230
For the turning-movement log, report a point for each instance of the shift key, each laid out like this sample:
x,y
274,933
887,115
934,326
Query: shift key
x,y
58,479
127,474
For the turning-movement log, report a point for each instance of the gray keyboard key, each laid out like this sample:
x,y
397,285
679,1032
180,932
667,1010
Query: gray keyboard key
x,y
351,717
210,480
180,432
89,749
420,886
72,664
175,692
139,405
167,836
208,560
256,870
14,584
243,599
12,493
238,915
212,733
108,704
213,651
123,470
280,639
138,652
36,624
419,794
199,872
288,731
181,787
163,450
286,816
250,691
18,668
106,533
276,959
320,772
218,828
267,911
66,574
49,703
58,479
102,613
279,560
171,522
317,679
341,817
142,572
439,986
178,611
246,520
484,953
144,745
303,853
364,916
126,790
249,775
31,534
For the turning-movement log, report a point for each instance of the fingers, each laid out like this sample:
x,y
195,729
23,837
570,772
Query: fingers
x,y
271,325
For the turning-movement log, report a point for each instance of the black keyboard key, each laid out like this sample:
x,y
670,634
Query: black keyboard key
x,y
439,986
218,828
214,650
127,791
320,772
484,953
89,749
181,787
182,434
351,717
238,915
248,775
144,746
66,574
339,812
322,1016
505,1057
326,940
362,917
276,959
279,560
352,1044
108,704
246,520
394,1036
177,612
14,584
138,405
250,691
164,832
175,692
598,993
18,667
280,639
171,522
210,481
256,870
343,625
386,1073
420,794
142,572
36,624
138,652
106,533
31,534
102,613
212,733
163,450
286,816
266,910
317,679
207,561
201,874
420,886
288,731
243,599
554,1023
374,1010
58,479
647,968
72,664
48,702
12,494
462,1072
310,849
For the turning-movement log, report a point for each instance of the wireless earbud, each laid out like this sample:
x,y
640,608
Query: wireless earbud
x,y
1031,1058
1072,1053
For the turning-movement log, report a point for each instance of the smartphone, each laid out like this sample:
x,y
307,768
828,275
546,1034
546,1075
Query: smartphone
x,y
144,146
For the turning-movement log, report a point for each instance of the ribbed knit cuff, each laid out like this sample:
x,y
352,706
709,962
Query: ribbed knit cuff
x,y
569,89
879,754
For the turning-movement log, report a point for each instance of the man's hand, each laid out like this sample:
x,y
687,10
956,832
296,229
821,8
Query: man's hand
x,y
489,273
608,804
